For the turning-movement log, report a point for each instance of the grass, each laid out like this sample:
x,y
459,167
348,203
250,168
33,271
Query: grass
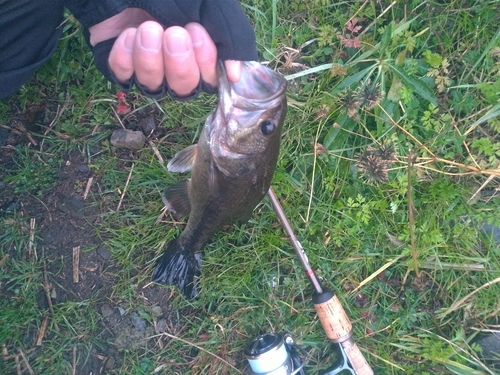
x,y
389,168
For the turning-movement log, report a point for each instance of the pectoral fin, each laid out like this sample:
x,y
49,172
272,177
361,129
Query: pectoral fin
x,y
183,161
176,198
213,179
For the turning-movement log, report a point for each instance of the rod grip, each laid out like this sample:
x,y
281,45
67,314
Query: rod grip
x,y
356,358
338,328
332,316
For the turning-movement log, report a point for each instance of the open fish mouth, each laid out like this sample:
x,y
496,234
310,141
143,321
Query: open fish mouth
x,y
255,84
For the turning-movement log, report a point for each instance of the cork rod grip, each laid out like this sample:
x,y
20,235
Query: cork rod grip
x,y
333,318
355,357
338,329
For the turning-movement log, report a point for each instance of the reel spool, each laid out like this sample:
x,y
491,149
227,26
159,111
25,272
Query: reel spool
x,y
273,354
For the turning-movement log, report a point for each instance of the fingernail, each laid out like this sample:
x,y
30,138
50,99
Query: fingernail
x,y
150,39
128,43
177,44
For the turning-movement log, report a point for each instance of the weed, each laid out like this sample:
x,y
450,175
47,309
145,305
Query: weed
x,y
30,175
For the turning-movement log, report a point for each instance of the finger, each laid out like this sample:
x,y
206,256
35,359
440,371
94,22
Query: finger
x,y
233,70
181,70
205,52
148,56
120,57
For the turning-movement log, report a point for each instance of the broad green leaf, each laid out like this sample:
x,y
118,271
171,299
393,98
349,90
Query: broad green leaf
x,y
343,122
401,58
386,38
418,87
355,78
394,93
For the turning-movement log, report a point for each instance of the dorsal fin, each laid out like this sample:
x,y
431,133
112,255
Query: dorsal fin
x,y
176,198
183,161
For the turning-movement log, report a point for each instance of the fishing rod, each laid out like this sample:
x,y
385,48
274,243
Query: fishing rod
x,y
333,318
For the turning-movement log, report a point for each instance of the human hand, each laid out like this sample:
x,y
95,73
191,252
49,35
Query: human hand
x,y
180,55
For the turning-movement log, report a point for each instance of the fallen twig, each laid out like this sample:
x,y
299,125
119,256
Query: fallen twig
x,y
118,118
87,188
157,153
43,329
76,264
488,180
73,370
32,237
59,112
125,188
46,286
18,365
25,359
457,304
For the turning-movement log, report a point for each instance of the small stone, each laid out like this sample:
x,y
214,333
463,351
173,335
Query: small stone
x,y
156,311
47,238
121,310
490,345
129,139
161,324
132,125
106,310
72,206
148,125
138,322
104,252
94,149
110,364
62,175
491,231
12,207
2,185
82,168
131,338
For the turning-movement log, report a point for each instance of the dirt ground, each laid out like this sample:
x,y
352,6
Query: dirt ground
x,y
66,223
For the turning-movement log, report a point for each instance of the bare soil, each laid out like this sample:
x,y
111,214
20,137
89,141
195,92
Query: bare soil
x,y
66,223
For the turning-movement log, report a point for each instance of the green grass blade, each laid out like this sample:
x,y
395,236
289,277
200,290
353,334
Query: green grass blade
x,y
493,112
356,77
488,48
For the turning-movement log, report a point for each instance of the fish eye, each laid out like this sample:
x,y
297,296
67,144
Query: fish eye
x,y
267,127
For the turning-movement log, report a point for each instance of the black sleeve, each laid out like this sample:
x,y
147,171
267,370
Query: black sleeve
x,y
224,20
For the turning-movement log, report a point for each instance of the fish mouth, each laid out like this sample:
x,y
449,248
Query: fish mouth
x,y
235,130
256,84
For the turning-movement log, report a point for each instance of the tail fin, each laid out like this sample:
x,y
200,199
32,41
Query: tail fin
x,y
179,267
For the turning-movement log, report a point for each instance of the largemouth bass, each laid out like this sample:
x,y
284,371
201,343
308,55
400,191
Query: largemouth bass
x,y
231,169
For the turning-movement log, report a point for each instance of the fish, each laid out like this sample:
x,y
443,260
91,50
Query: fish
x,y
231,166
